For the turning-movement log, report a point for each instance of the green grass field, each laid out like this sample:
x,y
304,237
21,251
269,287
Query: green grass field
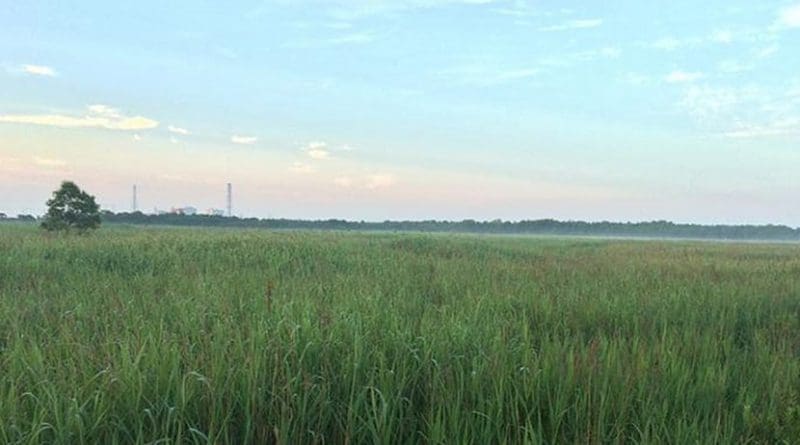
x,y
221,336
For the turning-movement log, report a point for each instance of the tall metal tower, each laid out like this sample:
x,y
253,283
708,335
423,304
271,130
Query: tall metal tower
x,y
230,205
135,206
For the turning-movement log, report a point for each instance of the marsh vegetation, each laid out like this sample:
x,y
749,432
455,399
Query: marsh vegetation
x,y
236,336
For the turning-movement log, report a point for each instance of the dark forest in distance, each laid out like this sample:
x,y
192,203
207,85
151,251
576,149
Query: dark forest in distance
x,y
663,229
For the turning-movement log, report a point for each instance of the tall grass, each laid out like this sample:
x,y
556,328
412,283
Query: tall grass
x,y
214,336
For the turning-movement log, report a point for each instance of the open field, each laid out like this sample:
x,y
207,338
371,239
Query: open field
x,y
236,336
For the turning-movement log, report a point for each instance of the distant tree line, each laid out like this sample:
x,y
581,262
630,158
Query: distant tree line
x,y
664,229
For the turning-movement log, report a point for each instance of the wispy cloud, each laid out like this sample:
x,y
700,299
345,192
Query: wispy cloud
x,y
99,116
339,25
767,51
511,75
317,150
637,79
301,167
39,70
722,36
518,9
569,59
372,181
244,140
319,154
178,130
781,127
346,10
745,112
672,43
483,75
488,73
715,104
573,24
734,66
789,17
679,76
353,38
751,34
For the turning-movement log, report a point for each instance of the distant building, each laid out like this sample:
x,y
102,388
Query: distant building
x,y
215,212
188,210
3,215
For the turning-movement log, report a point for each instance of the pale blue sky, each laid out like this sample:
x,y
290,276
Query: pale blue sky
x,y
374,109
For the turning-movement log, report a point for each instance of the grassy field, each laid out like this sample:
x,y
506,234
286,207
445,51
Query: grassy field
x,y
215,336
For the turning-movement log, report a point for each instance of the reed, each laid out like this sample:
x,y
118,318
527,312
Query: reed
x,y
235,336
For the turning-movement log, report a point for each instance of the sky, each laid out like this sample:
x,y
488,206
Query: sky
x,y
407,109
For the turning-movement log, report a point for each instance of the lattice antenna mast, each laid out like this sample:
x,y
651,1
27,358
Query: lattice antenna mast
x,y
230,200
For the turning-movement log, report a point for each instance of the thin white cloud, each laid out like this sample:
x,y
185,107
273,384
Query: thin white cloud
x,y
317,150
679,76
722,36
754,35
574,24
637,79
714,104
301,167
745,112
789,17
39,70
99,116
49,162
339,25
519,10
612,52
346,10
358,38
734,66
767,51
483,73
372,181
353,38
244,140
319,154
104,110
485,76
569,59
793,94
379,181
672,44
178,130
781,127
514,74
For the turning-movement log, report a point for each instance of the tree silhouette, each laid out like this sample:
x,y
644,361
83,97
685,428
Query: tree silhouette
x,y
71,208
